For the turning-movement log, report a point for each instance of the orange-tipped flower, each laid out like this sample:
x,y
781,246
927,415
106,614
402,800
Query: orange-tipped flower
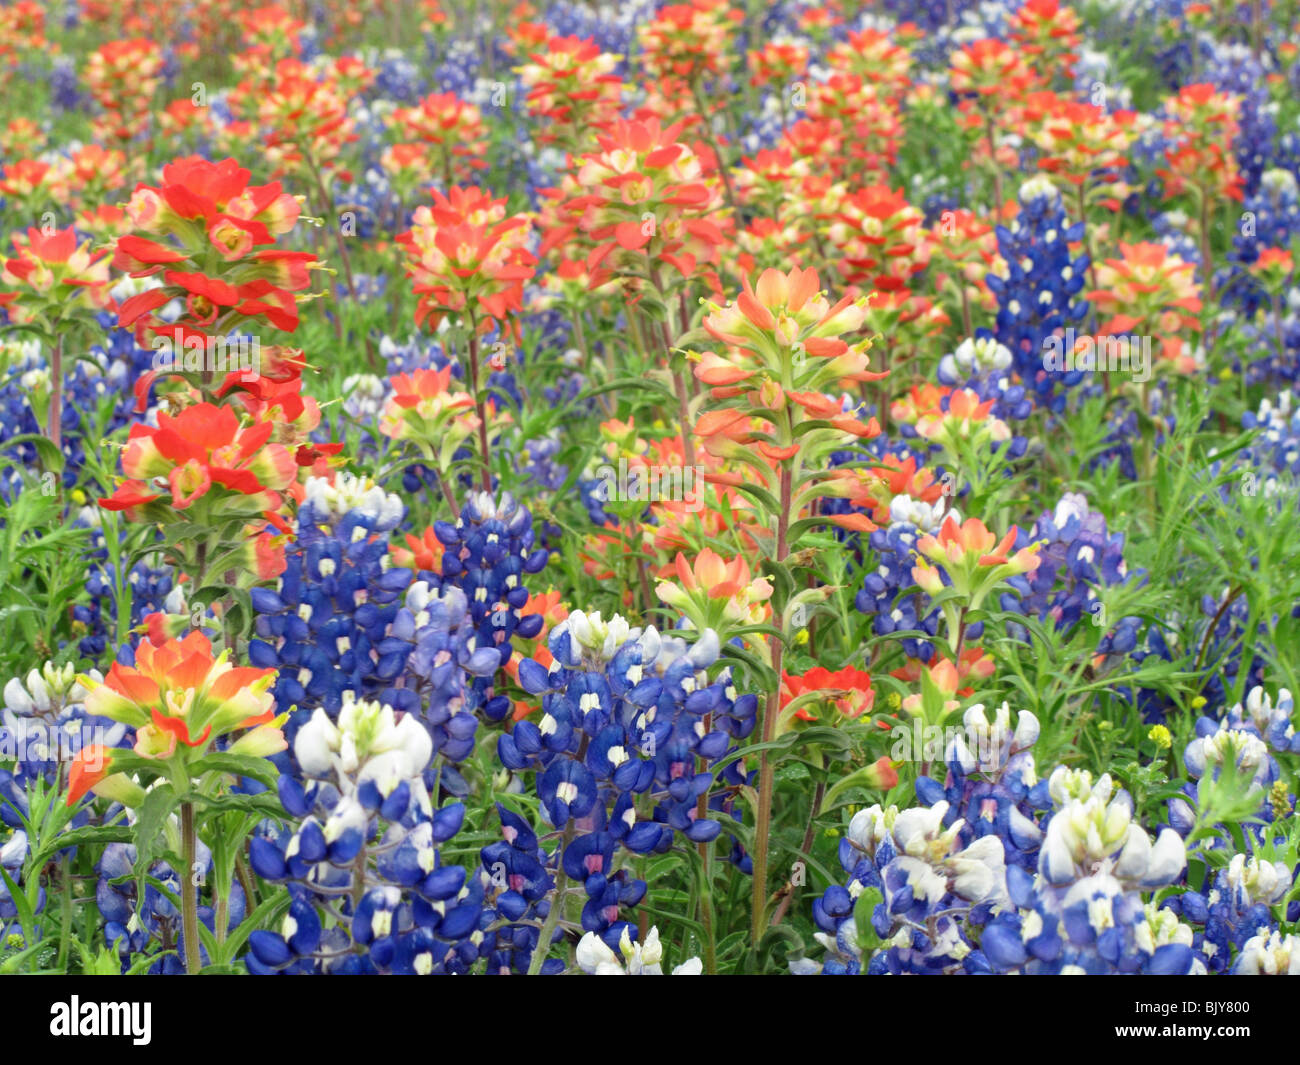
x,y
939,688
178,695
958,543
422,553
974,561
848,689
465,253
719,590
50,271
423,407
92,770
89,766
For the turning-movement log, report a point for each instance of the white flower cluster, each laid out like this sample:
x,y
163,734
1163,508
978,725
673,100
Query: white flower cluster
x,y
1269,954
596,638
1039,185
350,492
46,691
1093,831
869,828
927,517
364,395
988,745
1229,746
936,864
638,959
368,743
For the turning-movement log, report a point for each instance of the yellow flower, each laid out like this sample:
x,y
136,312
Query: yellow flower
x,y
1159,735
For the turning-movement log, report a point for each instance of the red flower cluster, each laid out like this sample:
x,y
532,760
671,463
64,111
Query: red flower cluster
x,y
123,77
211,236
203,449
466,254
1202,122
305,118
644,190
570,84
52,272
452,128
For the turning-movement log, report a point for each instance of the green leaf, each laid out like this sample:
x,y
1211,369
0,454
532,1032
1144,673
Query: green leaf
x,y
26,916
266,805
868,940
103,962
265,916
78,837
51,456
151,815
142,965
10,964
763,674
240,765
638,384
782,582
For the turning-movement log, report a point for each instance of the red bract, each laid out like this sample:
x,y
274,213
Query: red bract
x,y
123,77
22,32
31,182
683,49
1048,32
211,234
687,40
1086,145
1148,291
767,244
51,273
21,135
1203,127
763,180
875,56
571,85
881,238
203,449
305,116
453,128
991,70
869,119
819,142
466,254
778,63
849,689
644,191
269,34
873,490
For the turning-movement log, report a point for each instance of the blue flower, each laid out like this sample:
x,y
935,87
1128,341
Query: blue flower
x,y
1041,290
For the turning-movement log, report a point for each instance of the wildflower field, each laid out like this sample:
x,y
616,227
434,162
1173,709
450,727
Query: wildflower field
x,y
645,488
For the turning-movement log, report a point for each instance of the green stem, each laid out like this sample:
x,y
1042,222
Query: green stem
x,y
961,636
221,888
712,140
580,335
65,913
480,408
706,873
327,205
679,382
246,881
1228,600
189,899
766,771
993,162
557,904
446,492
54,428
819,796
